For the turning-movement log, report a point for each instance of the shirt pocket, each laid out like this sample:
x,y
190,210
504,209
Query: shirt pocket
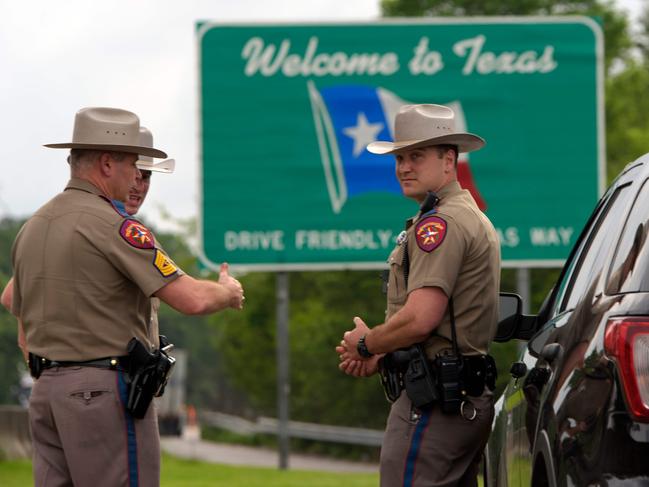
x,y
397,282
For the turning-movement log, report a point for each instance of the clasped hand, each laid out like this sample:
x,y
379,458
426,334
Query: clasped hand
x,y
351,363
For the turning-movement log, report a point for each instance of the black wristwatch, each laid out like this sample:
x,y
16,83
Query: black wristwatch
x,y
361,348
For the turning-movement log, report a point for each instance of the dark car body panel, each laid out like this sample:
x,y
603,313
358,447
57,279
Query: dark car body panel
x,y
565,421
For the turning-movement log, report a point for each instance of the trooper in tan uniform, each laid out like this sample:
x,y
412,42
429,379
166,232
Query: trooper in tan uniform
x,y
136,197
84,272
452,271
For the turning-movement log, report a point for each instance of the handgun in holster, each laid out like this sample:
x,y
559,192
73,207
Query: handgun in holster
x,y
391,375
148,374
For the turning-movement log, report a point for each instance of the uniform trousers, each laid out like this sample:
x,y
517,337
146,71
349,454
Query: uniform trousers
x,y
83,436
428,448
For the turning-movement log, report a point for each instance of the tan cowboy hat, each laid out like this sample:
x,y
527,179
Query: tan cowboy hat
x,y
107,128
146,163
424,125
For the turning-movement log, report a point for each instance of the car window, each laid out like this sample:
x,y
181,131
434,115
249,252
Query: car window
x,y
590,259
629,272
567,273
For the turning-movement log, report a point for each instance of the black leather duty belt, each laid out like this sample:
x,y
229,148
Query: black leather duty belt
x,y
102,363
38,364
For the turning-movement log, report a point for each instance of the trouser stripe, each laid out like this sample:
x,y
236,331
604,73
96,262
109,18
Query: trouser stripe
x,y
131,443
413,452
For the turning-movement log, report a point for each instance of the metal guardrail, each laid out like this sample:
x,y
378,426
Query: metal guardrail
x,y
15,439
296,429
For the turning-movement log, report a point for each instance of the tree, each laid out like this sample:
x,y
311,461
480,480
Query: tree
x,y
627,134
11,362
320,311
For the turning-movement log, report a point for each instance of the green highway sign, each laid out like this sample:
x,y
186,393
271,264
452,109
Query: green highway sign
x,y
286,111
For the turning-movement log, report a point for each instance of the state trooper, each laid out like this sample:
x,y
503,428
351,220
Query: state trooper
x,y
84,272
136,197
442,309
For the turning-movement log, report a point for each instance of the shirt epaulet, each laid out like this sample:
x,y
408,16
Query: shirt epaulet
x,y
118,206
428,213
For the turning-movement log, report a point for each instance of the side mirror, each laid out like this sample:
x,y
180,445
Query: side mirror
x,y
512,323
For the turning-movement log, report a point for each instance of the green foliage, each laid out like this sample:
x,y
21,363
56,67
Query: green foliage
x,y
627,106
8,230
10,357
16,473
322,306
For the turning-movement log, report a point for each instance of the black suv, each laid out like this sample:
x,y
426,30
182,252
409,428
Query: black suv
x,y
576,412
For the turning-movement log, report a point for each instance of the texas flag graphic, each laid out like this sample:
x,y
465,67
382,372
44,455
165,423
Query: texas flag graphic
x,y
347,118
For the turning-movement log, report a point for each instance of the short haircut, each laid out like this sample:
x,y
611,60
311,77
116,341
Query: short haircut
x,y
83,157
86,157
443,148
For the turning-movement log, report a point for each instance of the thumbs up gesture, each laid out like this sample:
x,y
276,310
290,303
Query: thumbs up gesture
x,y
233,286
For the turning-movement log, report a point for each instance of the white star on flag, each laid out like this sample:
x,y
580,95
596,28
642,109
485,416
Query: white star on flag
x,y
363,133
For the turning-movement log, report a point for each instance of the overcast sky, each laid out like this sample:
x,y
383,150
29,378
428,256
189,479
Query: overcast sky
x,y
56,57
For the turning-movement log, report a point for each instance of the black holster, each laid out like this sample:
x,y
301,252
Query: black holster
x,y
391,375
447,380
419,379
148,374
36,365
408,369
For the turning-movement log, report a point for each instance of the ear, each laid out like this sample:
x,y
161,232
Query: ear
x,y
449,160
105,164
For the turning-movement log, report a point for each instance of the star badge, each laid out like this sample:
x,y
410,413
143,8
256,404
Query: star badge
x,y
137,234
430,233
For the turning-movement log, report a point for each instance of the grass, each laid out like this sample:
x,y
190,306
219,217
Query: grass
x,y
187,473
16,473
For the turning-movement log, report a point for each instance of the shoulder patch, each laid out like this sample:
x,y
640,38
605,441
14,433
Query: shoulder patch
x,y
164,264
430,233
137,234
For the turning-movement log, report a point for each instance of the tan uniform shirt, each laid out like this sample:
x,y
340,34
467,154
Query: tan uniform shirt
x,y
84,274
154,327
464,263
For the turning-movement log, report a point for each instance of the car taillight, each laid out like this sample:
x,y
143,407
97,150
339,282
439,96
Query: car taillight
x,y
627,340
